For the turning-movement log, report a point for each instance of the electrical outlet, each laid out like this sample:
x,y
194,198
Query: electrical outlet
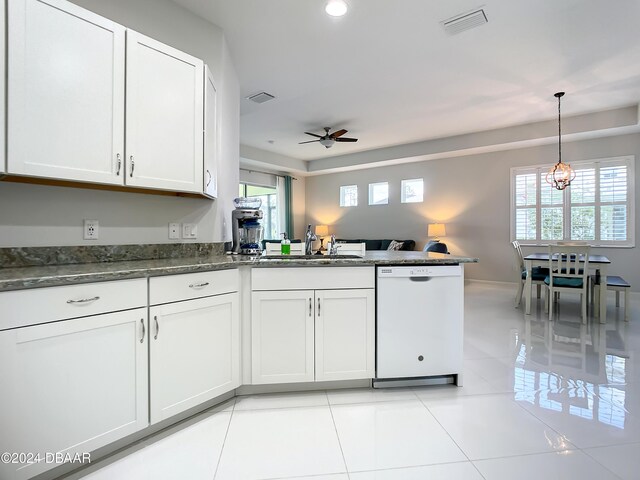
x,y
189,230
91,229
174,231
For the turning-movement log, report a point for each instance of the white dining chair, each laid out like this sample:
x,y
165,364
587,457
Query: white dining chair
x,y
568,272
538,274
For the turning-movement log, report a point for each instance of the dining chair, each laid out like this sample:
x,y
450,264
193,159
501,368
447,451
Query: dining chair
x,y
538,274
568,272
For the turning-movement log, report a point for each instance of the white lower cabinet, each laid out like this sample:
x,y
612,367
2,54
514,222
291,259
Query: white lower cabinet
x,y
345,334
282,338
312,335
194,347
71,386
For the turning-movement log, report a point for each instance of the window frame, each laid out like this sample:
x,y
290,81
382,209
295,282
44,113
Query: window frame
x,y
627,160
341,196
403,198
372,187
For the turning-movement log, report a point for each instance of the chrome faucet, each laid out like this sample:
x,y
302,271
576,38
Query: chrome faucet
x,y
309,238
334,247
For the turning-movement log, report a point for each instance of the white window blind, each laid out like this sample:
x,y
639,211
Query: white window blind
x,y
597,207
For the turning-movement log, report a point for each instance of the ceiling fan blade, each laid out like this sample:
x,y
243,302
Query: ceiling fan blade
x,y
346,139
310,141
339,133
313,134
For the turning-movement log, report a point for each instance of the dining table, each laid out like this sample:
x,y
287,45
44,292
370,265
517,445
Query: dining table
x,y
597,263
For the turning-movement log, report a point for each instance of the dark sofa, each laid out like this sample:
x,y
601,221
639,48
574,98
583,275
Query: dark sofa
x,y
379,244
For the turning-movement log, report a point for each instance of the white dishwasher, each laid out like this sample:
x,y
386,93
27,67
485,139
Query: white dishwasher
x,y
419,325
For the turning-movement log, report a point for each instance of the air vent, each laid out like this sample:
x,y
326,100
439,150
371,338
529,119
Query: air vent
x,y
466,21
261,97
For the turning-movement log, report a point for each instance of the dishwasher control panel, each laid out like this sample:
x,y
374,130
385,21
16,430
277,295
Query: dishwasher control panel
x,y
420,271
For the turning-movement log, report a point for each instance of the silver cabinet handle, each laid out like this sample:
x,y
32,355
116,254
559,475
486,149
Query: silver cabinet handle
x,y
318,307
133,165
119,164
84,300
143,330
208,181
310,307
198,285
155,318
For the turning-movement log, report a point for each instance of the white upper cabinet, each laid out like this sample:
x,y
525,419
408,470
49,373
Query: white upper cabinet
x,y
164,116
66,84
211,141
3,164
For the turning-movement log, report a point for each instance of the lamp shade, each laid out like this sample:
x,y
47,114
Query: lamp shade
x,y
436,230
322,230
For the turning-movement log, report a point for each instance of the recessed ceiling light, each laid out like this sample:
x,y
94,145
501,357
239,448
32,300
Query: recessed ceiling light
x,y
336,8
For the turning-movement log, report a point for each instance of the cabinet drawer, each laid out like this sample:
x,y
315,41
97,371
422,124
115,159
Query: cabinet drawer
x,y
174,288
40,305
310,278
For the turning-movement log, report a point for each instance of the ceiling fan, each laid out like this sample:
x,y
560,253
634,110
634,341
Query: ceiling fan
x,y
328,139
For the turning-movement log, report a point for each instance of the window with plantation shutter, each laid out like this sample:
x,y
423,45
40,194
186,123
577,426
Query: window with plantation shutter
x,y
596,208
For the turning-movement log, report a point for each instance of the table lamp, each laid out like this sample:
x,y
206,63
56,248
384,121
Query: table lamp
x,y
436,230
321,232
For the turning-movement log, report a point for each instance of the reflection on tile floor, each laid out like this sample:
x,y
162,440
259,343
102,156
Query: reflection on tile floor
x,y
541,400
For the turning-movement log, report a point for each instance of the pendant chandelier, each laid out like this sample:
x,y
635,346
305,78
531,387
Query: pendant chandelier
x,y
561,174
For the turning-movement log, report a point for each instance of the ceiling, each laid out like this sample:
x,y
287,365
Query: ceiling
x,y
389,74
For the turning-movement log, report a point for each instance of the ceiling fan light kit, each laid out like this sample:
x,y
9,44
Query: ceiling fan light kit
x,y
336,8
328,139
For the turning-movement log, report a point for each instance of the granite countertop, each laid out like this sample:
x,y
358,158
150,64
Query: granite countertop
x,y
53,275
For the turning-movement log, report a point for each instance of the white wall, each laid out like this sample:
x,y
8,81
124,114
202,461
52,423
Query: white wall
x,y
470,194
34,215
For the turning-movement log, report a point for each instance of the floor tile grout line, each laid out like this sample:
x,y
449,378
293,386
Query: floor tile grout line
x,y
546,424
335,427
226,433
445,430
407,467
601,464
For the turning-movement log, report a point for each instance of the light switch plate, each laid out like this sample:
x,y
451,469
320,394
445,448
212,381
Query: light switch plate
x,y
189,230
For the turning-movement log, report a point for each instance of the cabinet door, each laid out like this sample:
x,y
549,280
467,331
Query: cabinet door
x,y
210,136
345,334
194,351
3,72
72,386
65,92
164,116
282,336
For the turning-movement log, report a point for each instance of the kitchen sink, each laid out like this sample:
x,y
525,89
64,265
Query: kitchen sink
x,y
308,257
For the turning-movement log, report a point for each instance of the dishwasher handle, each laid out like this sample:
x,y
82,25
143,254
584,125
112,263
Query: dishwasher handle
x,y
420,279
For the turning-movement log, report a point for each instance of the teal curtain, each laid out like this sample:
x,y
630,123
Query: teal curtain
x,y
288,206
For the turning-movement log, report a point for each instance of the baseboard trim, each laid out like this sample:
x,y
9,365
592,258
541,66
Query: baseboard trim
x,y
301,387
491,282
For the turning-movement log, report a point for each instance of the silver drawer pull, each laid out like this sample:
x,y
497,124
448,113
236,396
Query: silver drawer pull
x,y
143,329
310,307
198,285
318,307
84,300
155,318
133,165
119,164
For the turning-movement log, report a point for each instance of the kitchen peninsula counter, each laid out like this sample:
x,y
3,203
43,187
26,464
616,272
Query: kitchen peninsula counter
x,y
18,278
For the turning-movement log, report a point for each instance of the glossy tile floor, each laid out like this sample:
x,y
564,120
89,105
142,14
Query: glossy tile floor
x,y
540,400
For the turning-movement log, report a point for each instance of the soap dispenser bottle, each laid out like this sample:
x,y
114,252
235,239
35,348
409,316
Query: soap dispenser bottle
x,y
285,245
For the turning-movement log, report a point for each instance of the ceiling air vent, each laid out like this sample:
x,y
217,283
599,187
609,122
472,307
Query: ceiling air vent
x,y
261,97
466,21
